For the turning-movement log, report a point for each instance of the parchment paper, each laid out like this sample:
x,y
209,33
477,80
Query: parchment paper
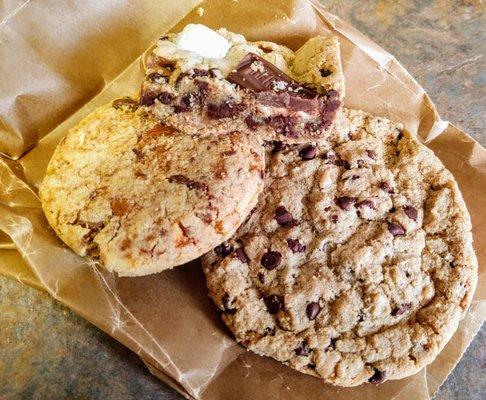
x,y
61,59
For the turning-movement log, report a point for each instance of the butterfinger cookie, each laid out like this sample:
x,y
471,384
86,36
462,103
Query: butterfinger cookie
x,y
357,264
142,198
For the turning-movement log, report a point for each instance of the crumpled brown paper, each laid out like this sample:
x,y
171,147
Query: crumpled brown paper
x,y
54,68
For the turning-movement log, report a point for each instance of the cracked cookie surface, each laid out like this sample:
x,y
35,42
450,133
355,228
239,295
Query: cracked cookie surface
x,y
357,263
142,198
260,88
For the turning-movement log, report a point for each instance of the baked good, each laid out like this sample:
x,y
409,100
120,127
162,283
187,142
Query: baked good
x,y
209,83
357,263
143,198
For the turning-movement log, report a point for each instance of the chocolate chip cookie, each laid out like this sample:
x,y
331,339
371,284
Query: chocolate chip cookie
x,y
260,88
143,198
357,263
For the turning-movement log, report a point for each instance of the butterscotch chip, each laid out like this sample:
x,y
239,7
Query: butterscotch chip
x,y
374,276
143,198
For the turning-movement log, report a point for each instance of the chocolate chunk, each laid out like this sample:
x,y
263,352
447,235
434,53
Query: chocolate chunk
x,y
251,122
334,218
378,377
325,72
165,97
271,260
342,163
371,154
401,310
226,304
365,203
223,250
278,146
283,125
241,255
302,349
274,303
283,217
312,310
330,157
184,180
126,102
329,107
261,277
411,212
156,77
273,86
308,152
296,246
345,202
226,109
385,186
396,229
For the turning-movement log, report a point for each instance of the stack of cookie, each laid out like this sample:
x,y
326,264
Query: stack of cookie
x,y
332,240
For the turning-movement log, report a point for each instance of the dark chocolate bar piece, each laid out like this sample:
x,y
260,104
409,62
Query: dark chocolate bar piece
x,y
273,86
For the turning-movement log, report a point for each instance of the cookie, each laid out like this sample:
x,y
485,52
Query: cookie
x,y
141,197
260,88
357,263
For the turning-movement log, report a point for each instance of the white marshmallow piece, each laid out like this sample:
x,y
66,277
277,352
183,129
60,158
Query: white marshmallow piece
x,y
202,40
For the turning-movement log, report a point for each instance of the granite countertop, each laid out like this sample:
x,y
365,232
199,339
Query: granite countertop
x,y
46,351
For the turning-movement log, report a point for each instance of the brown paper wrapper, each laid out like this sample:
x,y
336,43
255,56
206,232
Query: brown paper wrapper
x,y
53,70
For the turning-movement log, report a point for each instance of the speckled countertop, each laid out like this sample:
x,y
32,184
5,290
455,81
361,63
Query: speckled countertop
x,y
46,351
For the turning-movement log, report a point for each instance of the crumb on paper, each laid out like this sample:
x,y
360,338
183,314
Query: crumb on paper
x,y
200,11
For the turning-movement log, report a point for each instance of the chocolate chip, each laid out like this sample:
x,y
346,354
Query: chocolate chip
x,y
251,122
148,98
274,303
360,163
203,87
261,277
283,217
165,97
371,154
241,255
332,94
296,246
401,310
126,102
188,101
302,349
385,186
267,331
215,73
325,72
271,260
392,210
330,157
411,212
226,304
156,77
400,135
396,229
226,109
334,218
311,366
378,377
327,208
199,72
223,250
312,310
308,152
365,203
345,202
311,126
138,153
278,146
191,185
